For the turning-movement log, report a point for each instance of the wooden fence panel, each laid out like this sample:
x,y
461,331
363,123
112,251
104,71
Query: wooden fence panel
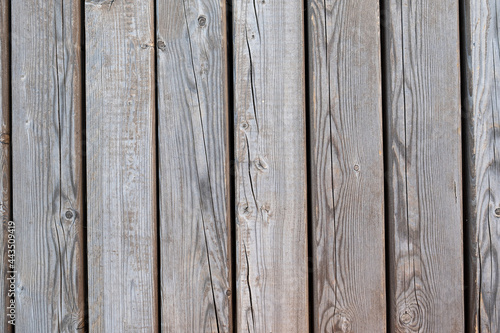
x,y
347,171
270,166
47,182
121,173
193,160
5,166
482,106
5,163
424,166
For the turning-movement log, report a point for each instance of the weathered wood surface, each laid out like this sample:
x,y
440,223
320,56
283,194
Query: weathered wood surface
x,y
47,182
270,161
121,173
193,160
424,166
347,172
5,156
482,107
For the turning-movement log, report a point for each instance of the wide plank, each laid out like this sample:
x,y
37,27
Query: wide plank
x,y
482,176
195,250
347,172
270,165
121,172
47,159
424,166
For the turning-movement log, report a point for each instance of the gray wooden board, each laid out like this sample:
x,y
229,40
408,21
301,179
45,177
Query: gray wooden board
x,y
47,182
482,106
424,166
271,244
121,174
347,172
193,159
7,250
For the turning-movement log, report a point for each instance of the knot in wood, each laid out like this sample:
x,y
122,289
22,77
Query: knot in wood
x,y
5,138
260,164
202,21
161,45
244,125
69,214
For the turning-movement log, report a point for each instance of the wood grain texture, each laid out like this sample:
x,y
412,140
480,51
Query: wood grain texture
x,y
424,166
347,173
47,182
270,162
482,107
5,162
121,173
193,161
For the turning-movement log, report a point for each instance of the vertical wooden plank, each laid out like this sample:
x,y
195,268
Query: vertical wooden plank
x,y
47,182
193,157
121,172
482,106
5,170
424,166
270,166
347,172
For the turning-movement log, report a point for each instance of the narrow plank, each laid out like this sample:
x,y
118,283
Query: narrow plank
x,y
121,175
347,172
193,161
47,182
424,166
5,170
482,106
270,166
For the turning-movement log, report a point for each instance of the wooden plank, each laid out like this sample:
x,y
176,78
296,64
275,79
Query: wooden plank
x,y
270,166
347,172
482,106
424,166
47,182
5,163
193,161
121,174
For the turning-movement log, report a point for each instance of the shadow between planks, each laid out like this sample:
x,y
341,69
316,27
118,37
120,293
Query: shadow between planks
x,y
250,165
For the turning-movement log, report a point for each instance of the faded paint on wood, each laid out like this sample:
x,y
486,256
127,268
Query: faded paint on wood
x,y
347,172
121,174
193,160
482,107
270,163
47,182
424,166
5,160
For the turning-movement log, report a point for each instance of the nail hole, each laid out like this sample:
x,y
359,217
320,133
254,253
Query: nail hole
x,y
497,212
356,167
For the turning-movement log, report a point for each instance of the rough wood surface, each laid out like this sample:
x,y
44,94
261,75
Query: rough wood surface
x,y
121,173
482,107
424,166
347,172
47,182
5,156
270,166
193,161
